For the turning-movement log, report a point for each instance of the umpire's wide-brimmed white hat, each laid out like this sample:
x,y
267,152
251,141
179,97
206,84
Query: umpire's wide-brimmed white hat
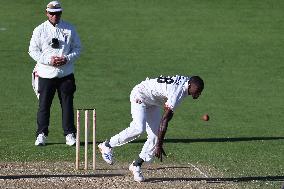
x,y
54,6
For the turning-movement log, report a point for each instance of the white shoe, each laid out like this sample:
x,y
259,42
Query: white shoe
x,y
41,140
136,171
70,139
106,153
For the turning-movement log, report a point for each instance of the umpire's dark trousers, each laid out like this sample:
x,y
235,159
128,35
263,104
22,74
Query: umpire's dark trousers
x,y
65,88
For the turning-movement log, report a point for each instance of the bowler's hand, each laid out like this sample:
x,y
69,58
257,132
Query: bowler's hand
x,y
58,61
159,152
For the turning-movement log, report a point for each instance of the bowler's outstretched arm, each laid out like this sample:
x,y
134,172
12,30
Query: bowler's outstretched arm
x,y
167,116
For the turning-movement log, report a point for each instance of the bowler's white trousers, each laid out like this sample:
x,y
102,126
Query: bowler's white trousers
x,y
144,117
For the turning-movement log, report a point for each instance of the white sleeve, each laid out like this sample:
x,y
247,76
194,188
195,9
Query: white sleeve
x,y
35,50
174,100
75,48
175,97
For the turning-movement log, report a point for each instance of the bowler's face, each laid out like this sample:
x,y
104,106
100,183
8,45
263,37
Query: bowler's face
x,y
194,91
54,17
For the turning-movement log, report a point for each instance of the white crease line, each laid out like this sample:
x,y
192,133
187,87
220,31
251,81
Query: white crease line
x,y
196,168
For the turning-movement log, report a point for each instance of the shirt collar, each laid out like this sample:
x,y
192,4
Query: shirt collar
x,y
185,88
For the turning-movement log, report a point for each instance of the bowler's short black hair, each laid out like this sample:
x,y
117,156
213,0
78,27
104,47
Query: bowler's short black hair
x,y
197,81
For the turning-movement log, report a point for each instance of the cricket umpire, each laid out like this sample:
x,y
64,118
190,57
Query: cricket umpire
x,y
54,46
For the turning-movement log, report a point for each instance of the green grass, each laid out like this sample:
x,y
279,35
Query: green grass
x,y
236,46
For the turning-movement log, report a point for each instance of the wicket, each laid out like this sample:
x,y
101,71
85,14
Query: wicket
x,y
86,110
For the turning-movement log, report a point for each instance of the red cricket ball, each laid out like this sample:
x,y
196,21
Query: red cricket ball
x,y
205,117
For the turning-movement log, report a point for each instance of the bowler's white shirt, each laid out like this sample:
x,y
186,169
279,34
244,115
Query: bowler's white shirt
x,y
41,51
163,91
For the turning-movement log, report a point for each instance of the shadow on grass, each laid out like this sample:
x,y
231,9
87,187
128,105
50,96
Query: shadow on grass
x,y
63,143
220,180
237,139
189,140
59,176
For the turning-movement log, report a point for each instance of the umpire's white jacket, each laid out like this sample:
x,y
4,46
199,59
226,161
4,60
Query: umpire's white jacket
x,y
41,51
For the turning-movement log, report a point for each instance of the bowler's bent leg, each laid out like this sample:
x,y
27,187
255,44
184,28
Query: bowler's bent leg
x,y
153,115
136,128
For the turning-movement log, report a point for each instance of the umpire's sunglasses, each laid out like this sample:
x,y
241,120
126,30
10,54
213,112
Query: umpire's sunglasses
x,y
55,13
